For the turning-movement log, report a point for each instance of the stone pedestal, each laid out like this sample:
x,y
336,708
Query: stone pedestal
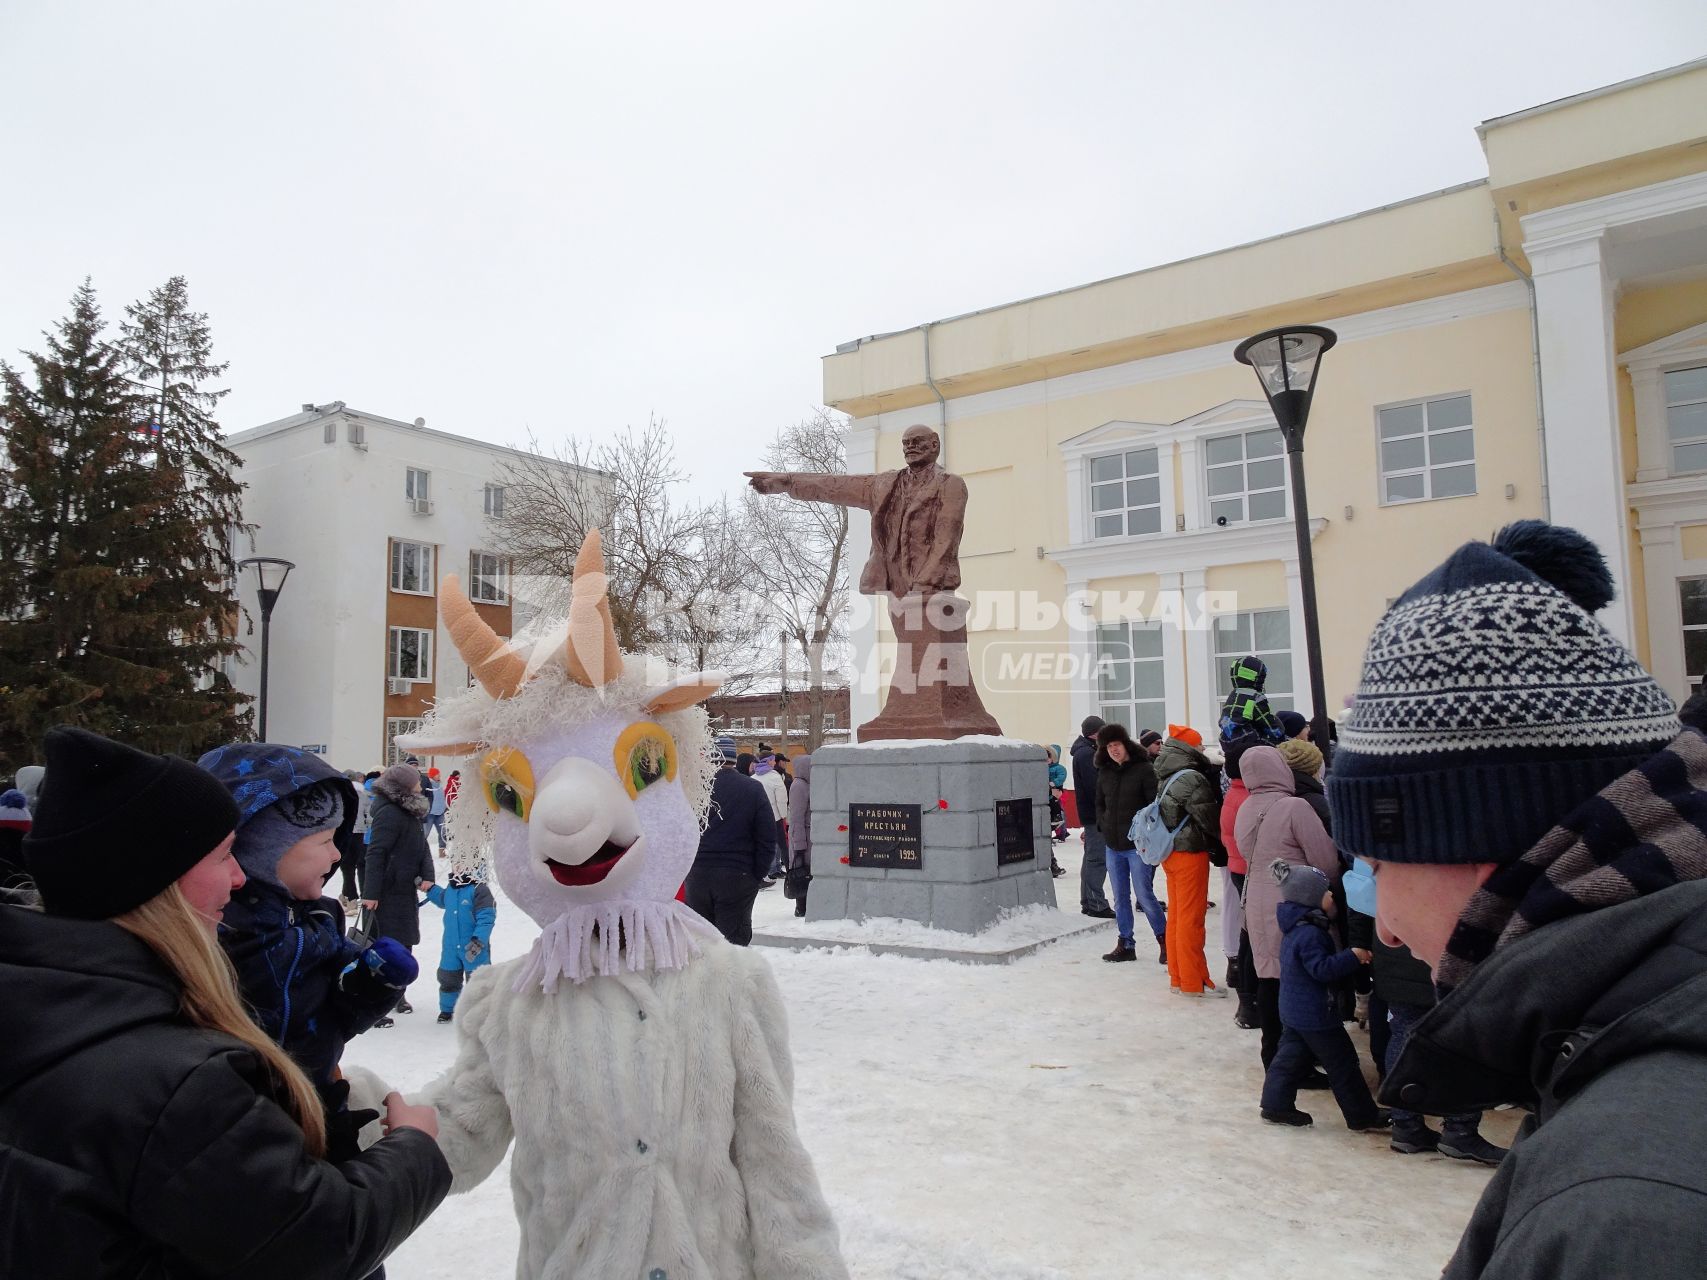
x,y
958,880
931,694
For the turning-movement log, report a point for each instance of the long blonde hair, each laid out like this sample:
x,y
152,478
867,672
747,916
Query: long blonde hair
x,y
170,927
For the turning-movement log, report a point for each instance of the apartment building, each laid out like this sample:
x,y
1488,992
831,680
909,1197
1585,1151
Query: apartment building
x,y
373,512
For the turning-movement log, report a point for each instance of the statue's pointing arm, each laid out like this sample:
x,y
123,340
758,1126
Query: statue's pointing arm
x,y
811,486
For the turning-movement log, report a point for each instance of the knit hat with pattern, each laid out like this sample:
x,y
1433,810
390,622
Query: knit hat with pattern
x,y
1491,705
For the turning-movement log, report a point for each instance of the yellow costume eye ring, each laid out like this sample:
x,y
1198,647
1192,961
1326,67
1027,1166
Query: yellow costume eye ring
x,y
645,753
506,779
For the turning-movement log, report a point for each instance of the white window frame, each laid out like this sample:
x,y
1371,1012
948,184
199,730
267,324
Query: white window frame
x,y
1278,699
431,554
394,654
356,432
830,724
1694,682
396,727
1245,493
417,484
1128,707
738,722
329,433
1125,511
1672,445
1427,435
499,575
492,501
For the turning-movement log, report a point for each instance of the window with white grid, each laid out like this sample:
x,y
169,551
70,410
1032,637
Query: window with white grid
x,y
488,578
1262,633
1686,418
1428,450
396,727
493,503
412,567
1126,494
1245,475
415,484
1132,676
410,654
1692,596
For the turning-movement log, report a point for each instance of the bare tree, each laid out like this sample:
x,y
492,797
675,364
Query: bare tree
x,y
713,614
797,553
625,488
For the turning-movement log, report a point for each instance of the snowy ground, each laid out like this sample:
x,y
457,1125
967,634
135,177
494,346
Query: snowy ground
x,y
1055,1119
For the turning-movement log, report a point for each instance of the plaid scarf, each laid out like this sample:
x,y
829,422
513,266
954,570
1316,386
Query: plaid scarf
x,y
1645,832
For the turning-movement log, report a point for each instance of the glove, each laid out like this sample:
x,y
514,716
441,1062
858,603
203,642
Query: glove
x,y
474,950
388,961
342,1124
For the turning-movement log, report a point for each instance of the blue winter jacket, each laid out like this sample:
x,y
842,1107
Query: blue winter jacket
x,y
1309,967
291,959
470,912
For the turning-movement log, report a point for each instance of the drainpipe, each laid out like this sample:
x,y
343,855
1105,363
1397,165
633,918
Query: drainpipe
x,y
941,404
1535,360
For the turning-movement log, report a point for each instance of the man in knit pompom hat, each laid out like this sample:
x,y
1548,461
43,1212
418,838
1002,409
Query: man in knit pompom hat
x,y
1537,821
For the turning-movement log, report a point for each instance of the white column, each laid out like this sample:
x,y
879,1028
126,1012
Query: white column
x,y
1662,566
1585,466
1191,484
1175,664
1082,651
863,703
1201,709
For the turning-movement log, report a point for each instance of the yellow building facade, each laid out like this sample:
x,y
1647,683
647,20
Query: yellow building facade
x,y
1533,344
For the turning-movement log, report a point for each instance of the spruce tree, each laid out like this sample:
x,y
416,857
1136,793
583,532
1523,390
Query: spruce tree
x,y
114,603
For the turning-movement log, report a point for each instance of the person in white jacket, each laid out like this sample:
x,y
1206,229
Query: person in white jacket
x,y
776,791
636,1062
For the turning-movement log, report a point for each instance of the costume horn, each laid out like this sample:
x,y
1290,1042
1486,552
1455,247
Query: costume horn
x,y
590,651
490,659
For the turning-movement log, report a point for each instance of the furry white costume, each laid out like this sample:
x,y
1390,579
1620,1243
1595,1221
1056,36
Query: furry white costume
x,y
639,1062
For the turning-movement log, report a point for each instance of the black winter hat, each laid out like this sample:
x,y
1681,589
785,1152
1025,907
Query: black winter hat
x,y
1114,733
116,826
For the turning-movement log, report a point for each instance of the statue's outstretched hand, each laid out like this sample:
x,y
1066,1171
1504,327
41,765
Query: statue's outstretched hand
x,y
768,481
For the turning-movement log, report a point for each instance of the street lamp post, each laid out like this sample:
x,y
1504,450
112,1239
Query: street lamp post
x,y
1286,361
270,575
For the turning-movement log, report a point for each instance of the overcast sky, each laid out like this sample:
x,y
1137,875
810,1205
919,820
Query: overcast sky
x,y
565,216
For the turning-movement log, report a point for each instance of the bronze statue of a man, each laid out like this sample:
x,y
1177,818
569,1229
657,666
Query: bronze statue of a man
x,y
917,516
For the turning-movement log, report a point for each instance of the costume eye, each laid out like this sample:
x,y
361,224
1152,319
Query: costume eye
x,y
507,779
644,754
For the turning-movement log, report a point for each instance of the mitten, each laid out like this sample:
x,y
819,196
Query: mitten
x,y
342,1124
474,949
391,963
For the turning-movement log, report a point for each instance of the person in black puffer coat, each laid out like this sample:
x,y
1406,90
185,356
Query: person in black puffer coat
x,y
147,1127
1093,869
1126,782
398,861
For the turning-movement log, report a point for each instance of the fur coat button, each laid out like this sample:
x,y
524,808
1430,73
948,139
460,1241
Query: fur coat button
x,y
1412,1094
641,1147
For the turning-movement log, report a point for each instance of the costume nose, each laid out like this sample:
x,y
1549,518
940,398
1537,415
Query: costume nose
x,y
576,809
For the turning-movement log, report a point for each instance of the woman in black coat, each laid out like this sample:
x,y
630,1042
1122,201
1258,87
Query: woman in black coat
x,y
148,1128
398,861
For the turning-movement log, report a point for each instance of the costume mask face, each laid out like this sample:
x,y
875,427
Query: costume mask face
x,y
593,779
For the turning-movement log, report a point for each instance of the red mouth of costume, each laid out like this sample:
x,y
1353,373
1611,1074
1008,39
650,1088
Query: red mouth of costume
x,y
593,870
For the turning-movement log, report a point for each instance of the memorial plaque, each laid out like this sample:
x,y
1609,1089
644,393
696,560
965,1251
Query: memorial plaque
x,y
1015,841
886,835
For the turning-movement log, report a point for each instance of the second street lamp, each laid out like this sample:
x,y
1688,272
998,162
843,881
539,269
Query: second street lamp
x,y
1286,361
270,574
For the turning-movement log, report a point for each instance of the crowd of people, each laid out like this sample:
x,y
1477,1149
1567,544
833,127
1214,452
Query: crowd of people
x,y
1501,872
1297,939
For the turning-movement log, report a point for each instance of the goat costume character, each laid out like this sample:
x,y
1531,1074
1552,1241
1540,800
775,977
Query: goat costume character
x,y
638,1061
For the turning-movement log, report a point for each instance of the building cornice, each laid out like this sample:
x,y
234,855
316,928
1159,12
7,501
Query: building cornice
x,y
1571,224
1445,309
1182,552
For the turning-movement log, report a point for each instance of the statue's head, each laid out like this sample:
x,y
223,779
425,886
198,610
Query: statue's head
x,y
920,446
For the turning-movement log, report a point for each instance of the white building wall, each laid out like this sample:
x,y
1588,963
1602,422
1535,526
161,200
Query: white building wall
x,y
332,509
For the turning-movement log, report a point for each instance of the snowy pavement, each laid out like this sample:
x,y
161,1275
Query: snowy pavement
x,y
1055,1119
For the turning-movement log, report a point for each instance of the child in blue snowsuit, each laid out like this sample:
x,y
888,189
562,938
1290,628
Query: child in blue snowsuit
x,y
470,912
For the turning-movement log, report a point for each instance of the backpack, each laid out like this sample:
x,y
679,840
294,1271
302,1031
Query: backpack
x,y
1150,836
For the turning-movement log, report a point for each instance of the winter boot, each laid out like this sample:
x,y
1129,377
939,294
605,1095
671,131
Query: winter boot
x,y
1381,1123
1162,948
1123,950
444,1016
1296,1118
386,1021
403,1006
1413,1137
1098,913
1462,1142
1246,1017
